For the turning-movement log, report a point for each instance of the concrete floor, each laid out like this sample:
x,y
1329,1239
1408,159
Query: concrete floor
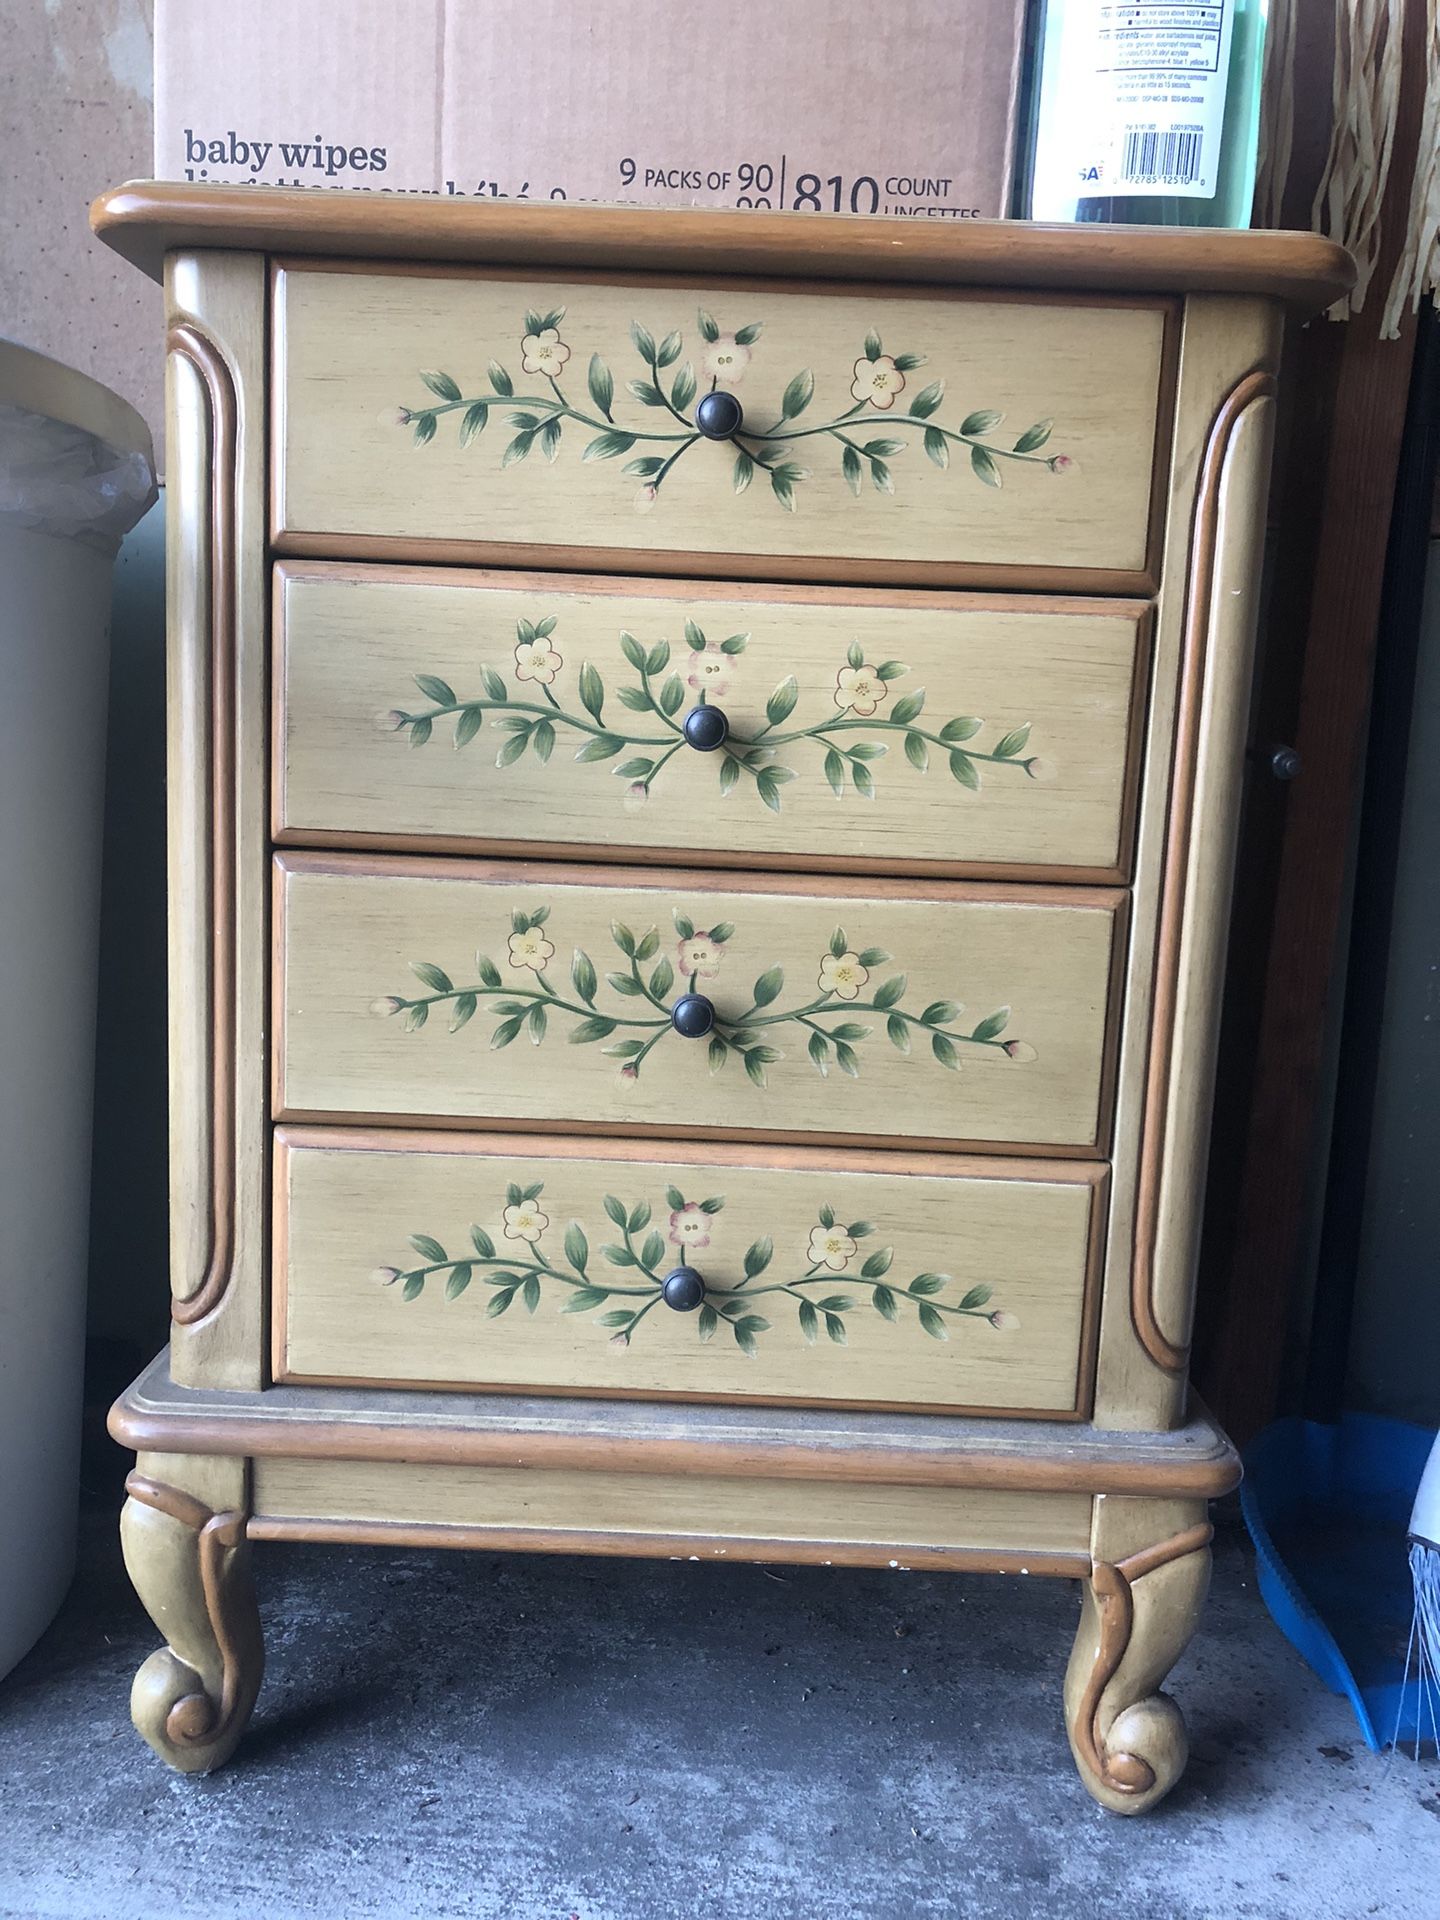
x,y
497,1738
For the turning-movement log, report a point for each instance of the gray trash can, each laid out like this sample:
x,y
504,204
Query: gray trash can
x,y
76,472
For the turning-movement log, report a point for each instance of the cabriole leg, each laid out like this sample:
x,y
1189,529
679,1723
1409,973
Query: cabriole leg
x,y
183,1533
1138,1611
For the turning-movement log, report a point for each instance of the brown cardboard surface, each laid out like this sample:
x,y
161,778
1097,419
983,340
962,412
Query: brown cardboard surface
x,y
810,104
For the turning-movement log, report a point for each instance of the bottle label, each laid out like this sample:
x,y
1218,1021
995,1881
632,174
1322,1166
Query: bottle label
x,y
1138,96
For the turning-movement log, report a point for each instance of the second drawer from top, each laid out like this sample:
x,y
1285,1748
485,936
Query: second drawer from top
x,y
862,731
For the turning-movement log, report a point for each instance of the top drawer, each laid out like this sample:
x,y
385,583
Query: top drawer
x,y
884,435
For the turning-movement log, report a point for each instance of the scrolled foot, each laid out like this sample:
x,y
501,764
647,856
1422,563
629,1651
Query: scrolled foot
x,y
1138,1612
190,1566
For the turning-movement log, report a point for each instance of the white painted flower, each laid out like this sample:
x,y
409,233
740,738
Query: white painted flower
x,y
525,1221
1004,1322
385,1276
726,359
531,949
877,381
1061,463
860,689
636,794
386,1006
831,1248
645,499
700,956
690,1226
395,417
709,671
843,975
544,352
537,660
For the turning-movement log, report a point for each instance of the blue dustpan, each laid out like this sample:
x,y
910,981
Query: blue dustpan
x,y
1328,1507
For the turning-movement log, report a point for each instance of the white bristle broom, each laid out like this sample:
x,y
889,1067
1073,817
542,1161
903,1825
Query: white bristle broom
x,y
1422,1656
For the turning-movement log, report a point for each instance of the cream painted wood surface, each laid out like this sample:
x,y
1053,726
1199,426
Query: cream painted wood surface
x,y
681,1506
353,349
999,733
392,1262
998,995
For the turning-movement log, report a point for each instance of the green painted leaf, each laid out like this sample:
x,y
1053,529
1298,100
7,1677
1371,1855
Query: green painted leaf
x,y
633,651
624,983
616,1209
819,1050
635,698
648,946
584,1299
847,1059
965,770
514,747
644,468
639,1216
769,985
468,725
916,751
488,971
985,466
537,1022
874,956
415,1018
827,1216
873,348
755,1065
420,732
663,978
899,1033
927,400
940,1013
672,695
618,1318
992,1024
781,703
797,395
906,361
1009,744
964,727
716,1053
602,385
441,385
550,438
618,1256
908,707
598,1027
722,931
850,1030
668,351
653,1251
932,1323
542,739
482,1243
981,421
734,643
463,1010
835,773
517,449
530,1292
434,977
878,1263
758,1256
744,471
863,779
927,1283
658,657
495,688
835,1327
885,1303
709,327
1034,437
474,421
707,1322
860,1229
504,1034
890,992
424,428
783,488
607,445
413,1287
768,783
644,340
976,1297
850,466
945,1052
682,391
937,447
428,1248
592,690
882,477
868,750
747,335
458,1281
603,747
809,1322
500,380
684,926
623,938
647,393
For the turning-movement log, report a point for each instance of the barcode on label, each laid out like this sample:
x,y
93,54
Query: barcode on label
x,y
1172,159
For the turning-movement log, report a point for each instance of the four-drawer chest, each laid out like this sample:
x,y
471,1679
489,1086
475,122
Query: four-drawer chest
x,y
705,757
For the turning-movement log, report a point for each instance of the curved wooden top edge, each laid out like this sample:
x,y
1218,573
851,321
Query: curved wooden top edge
x,y
436,1429
145,219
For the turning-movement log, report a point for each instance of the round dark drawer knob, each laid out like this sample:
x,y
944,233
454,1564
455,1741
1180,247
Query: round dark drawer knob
x,y
684,1290
706,728
719,415
693,1015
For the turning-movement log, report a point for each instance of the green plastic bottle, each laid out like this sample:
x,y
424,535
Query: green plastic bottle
x,y
1144,112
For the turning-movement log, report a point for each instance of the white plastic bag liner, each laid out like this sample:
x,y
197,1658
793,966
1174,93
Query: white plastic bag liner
x,y
76,472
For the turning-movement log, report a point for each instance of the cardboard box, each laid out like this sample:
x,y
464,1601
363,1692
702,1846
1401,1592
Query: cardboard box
x,y
832,105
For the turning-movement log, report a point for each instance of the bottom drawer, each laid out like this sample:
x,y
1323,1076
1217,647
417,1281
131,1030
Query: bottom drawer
x,y
847,1279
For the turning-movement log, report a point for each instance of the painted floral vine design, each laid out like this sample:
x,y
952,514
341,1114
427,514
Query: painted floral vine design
x,y
521,1265
636,1015
878,382
859,698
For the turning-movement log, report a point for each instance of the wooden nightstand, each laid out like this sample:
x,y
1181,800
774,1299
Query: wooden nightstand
x,y
705,759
